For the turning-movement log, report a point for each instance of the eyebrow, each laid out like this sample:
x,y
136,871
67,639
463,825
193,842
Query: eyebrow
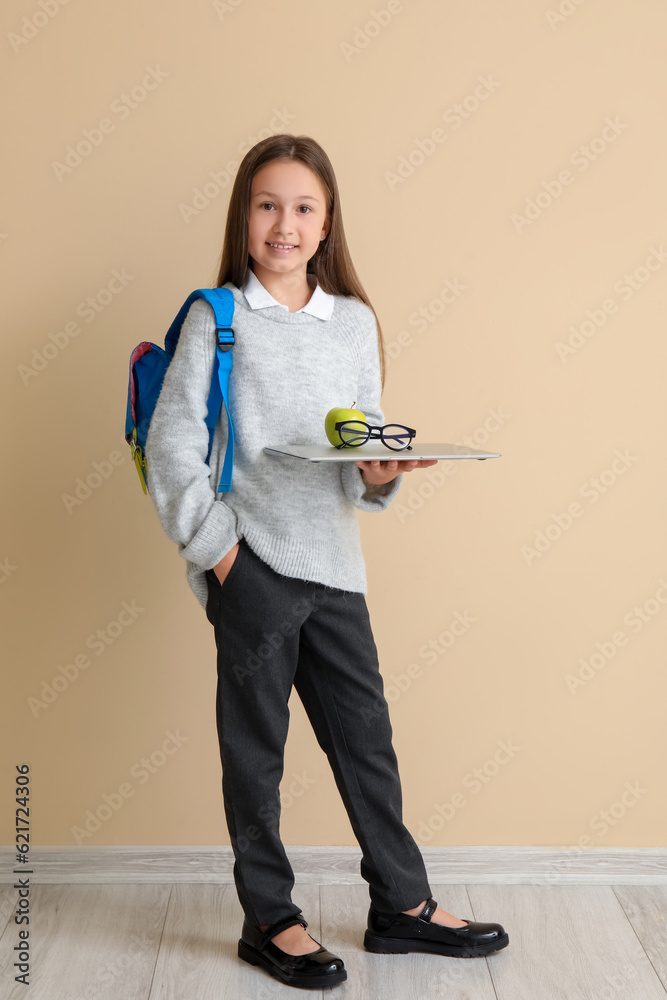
x,y
301,197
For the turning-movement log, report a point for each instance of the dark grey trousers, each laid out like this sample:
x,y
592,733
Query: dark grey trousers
x,y
272,632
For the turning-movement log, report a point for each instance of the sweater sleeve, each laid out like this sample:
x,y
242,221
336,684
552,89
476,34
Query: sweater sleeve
x,y
369,388
177,445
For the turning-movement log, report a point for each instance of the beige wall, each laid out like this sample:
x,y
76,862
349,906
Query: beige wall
x,y
488,363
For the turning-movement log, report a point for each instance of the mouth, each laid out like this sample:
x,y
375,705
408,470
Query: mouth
x,y
283,247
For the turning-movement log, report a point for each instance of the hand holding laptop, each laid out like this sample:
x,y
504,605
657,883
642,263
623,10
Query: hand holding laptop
x,y
376,472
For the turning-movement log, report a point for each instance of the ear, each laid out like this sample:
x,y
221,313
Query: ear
x,y
325,228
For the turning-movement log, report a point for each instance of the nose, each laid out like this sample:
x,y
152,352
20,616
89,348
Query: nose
x,y
281,225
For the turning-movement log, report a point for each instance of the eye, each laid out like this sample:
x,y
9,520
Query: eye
x,y
262,204
306,207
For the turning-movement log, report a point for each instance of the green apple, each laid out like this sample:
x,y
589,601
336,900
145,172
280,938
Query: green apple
x,y
335,416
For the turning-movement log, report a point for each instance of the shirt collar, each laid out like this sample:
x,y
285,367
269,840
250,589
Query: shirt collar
x,y
320,303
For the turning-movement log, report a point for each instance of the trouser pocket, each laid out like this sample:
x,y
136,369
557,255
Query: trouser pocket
x,y
233,570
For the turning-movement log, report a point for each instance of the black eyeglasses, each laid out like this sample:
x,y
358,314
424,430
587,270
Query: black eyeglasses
x,y
356,432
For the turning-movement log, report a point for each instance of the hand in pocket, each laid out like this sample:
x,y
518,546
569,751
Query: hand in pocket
x,y
223,567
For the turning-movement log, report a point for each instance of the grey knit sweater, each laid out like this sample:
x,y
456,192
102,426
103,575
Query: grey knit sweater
x,y
288,370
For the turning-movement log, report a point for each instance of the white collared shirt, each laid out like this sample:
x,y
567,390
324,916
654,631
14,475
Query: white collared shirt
x,y
320,303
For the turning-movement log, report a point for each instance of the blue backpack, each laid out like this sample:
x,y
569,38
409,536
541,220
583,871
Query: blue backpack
x,y
148,365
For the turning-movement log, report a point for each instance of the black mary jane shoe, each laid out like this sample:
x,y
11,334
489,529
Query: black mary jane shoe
x,y
399,933
319,970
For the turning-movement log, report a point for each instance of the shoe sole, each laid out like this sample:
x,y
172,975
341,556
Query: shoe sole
x,y
401,946
254,957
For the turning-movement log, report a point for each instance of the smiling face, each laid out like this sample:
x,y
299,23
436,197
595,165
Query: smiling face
x,y
287,218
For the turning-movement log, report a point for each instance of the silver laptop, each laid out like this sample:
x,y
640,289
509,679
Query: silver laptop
x,y
376,449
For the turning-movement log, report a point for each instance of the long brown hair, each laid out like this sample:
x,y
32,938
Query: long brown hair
x,y
331,263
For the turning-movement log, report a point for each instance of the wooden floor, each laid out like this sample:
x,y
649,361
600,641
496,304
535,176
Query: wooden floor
x,y
178,942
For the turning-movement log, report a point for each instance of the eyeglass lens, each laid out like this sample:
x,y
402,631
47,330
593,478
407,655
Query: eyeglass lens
x,y
354,433
395,436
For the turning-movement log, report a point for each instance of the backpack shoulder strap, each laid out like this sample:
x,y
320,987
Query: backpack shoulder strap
x,y
221,301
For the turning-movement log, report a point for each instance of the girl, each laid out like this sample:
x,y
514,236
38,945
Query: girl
x,y
277,564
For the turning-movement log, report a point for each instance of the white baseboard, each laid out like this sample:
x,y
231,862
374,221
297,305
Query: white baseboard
x,y
340,865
